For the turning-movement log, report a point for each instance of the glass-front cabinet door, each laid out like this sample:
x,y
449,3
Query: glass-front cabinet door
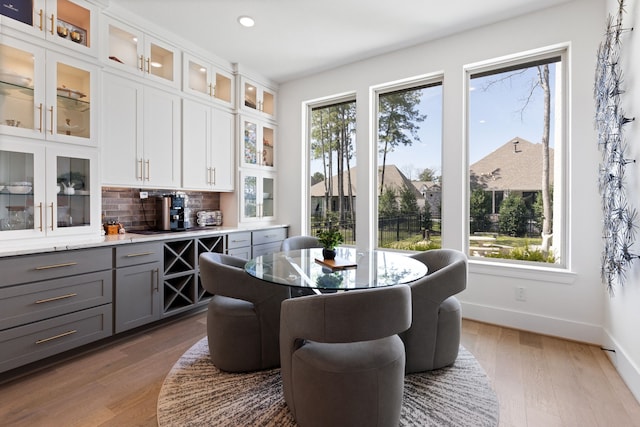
x,y
21,190
131,50
258,98
69,117
206,80
71,201
46,191
70,23
55,105
258,141
22,88
257,196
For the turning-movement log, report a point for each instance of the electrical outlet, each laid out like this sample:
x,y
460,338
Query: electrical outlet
x,y
521,293
144,194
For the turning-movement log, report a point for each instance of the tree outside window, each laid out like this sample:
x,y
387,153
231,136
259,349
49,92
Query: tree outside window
x,y
512,119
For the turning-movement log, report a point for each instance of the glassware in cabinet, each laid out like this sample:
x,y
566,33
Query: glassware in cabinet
x,y
53,105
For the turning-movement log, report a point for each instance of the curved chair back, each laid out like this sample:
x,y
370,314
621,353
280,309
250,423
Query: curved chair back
x,y
345,317
224,276
299,242
433,328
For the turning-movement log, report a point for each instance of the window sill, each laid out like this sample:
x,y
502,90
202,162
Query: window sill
x,y
522,271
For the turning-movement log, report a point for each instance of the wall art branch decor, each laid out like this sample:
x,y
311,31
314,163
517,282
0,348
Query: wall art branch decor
x,y
620,219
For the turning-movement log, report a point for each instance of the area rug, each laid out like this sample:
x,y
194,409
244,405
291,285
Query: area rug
x,y
196,393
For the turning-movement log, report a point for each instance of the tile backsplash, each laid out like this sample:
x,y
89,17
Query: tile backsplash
x,y
134,213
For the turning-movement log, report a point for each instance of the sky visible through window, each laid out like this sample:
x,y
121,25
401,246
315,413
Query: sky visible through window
x,y
497,114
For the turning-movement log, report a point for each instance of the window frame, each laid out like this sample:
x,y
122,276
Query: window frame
x,y
561,183
415,82
307,113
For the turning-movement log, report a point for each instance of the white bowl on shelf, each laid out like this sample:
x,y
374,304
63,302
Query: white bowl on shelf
x,y
19,189
14,78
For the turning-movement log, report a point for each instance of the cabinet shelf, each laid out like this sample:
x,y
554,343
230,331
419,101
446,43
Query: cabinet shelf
x,y
17,91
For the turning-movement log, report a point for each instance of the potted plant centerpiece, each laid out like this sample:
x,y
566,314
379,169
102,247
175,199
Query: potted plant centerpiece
x,y
329,239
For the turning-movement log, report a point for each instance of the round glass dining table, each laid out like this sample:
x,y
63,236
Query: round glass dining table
x,y
352,269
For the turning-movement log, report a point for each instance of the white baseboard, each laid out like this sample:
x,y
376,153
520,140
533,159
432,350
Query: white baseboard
x,y
562,328
629,372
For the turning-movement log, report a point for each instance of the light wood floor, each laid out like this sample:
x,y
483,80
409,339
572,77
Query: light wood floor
x,y
540,381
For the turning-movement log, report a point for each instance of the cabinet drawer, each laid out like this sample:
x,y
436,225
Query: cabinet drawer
x,y
238,240
34,268
26,344
244,253
269,236
139,253
32,302
267,248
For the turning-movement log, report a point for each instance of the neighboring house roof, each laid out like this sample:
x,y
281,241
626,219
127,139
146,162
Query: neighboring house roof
x,y
428,186
392,177
513,166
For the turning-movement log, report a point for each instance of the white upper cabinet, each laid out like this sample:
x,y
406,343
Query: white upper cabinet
x,y
141,135
70,23
208,81
130,49
207,147
46,95
49,191
257,98
258,139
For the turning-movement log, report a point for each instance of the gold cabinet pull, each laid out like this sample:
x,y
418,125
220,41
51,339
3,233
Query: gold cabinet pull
x,y
64,334
156,272
40,14
51,206
53,24
51,122
148,163
148,70
42,301
140,254
40,209
211,90
139,168
40,110
141,63
213,181
64,264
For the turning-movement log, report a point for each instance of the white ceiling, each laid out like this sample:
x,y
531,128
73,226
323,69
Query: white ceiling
x,y
294,38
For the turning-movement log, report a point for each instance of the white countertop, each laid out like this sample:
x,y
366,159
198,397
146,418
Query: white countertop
x,y
32,246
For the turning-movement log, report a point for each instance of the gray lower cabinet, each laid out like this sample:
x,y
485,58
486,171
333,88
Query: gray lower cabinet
x,y
53,302
239,244
267,241
137,284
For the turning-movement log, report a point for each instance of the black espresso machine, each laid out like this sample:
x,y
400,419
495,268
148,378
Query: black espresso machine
x,y
172,212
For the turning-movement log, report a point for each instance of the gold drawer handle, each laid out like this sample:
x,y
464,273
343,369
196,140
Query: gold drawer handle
x,y
66,264
42,301
140,254
62,335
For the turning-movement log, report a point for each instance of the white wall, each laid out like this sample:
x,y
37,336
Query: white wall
x,y
622,311
569,304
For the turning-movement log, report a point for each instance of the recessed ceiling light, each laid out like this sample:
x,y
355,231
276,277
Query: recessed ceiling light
x,y
246,21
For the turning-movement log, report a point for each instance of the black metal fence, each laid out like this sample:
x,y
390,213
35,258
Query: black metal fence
x,y
392,229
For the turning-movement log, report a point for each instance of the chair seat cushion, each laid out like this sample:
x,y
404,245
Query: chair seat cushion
x,y
350,357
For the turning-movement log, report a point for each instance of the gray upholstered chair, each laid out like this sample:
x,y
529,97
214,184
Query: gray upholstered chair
x,y
342,362
299,242
433,339
243,318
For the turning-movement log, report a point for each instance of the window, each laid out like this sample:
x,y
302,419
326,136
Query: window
x,y
514,137
409,186
332,167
